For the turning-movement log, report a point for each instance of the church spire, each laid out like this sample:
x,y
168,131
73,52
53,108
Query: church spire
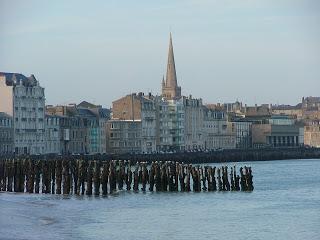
x,y
170,88
171,78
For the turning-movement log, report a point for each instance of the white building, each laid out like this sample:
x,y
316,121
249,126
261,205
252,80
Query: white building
x,y
23,98
171,124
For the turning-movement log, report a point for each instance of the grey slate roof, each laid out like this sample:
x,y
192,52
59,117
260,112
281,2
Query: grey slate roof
x,y
15,79
4,115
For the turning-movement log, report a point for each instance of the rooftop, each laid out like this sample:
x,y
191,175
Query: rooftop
x,y
4,115
13,79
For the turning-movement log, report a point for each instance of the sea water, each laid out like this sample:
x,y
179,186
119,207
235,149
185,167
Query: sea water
x,y
285,204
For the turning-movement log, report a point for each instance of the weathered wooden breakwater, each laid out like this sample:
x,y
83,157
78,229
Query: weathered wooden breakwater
x,y
98,177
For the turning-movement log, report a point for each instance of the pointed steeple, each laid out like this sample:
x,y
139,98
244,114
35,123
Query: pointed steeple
x,y
171,77
170,88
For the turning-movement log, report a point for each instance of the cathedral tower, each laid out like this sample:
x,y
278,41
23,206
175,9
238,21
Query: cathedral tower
x,y
170,88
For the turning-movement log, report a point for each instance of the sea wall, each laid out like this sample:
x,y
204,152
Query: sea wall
x,y
225,155
235,155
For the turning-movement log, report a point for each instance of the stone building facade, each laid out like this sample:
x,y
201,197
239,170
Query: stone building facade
x,y
269,135
81,128
124,136
148,124
72,133
216,131
194,115
6,134
310,103
243,131
127,107
53,137
137,107
27,109
312,135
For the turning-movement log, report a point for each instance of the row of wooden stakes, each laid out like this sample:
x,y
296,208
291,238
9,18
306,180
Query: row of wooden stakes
x,y
96,177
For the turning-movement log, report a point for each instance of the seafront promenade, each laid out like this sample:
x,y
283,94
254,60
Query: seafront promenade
x,y
218,156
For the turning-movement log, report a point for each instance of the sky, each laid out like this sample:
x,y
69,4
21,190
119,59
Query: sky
x,y
254,51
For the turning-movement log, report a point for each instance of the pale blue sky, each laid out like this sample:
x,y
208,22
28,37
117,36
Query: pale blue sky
x,y
256,51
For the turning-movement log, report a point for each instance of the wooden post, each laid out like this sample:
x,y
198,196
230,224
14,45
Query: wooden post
x,y
46,187
30,183
96,177
199,179
219,180
89,178
151,177
2,175
77,178
164,177
136,179
104,179
158,177
226,178
194,179
250,181
83,175
188,187
223,178
144,177
5,175
16,171
10,175
129,176
121,175
242,180
74,176
204,176
21,176
53,175
214,182
38,167
58,175
171,176
181,173
112,177
232,180
66,176
26,169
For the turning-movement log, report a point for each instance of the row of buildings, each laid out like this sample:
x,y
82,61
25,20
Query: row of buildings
x,y
141,122
28,126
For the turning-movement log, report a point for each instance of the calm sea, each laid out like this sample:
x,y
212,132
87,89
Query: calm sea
x,y
285,204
